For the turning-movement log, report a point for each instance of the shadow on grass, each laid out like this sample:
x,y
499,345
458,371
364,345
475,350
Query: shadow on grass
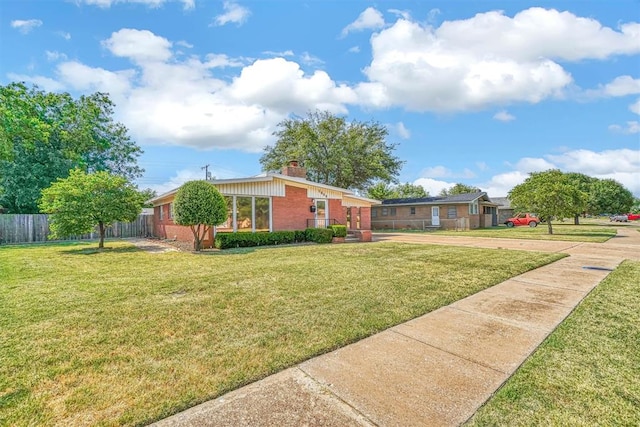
x,y
106,250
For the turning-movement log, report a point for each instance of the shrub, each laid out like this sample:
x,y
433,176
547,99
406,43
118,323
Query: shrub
x,y
339,230
245,240
319,235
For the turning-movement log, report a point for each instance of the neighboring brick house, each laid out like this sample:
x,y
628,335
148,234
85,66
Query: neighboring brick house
x,y
273,202
457,212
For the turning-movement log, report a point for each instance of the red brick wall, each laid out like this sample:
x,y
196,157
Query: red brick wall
x,y
292,211
167,229
365,218
337,211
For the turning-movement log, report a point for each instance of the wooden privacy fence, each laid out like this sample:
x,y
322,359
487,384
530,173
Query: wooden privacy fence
x,y
19,228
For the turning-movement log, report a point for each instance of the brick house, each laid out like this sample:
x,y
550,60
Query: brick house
x,y
457,212
273,202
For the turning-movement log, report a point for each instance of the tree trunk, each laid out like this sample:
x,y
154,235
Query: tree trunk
x,y
576,219
196,237
101,228
549,226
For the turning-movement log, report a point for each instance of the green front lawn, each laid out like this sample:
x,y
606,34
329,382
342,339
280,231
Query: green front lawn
x,y
561,231
587,372
128,337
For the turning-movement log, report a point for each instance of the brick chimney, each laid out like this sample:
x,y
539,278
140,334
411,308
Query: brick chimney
x,y
295,170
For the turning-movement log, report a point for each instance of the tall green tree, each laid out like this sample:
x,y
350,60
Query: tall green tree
x,y
382,190
458,188
80,203
44,135
200,206
550,194
608,195
583,183
335,152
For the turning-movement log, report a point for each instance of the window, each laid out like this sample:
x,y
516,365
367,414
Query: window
x,y
473,207
243,213
247,213
161,212
170,210
452,212
392,211
262,213
374,213
385,211
412,210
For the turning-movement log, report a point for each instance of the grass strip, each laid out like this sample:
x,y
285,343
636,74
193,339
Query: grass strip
x,y
587,372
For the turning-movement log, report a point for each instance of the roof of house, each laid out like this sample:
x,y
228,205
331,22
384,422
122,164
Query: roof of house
x,y
441,200
271,177
502,202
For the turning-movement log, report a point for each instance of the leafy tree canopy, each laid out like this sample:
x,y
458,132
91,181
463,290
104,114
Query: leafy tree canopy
x,y
609,196
335,152
44,135
82,201
458,188
549,194
200,206
146,195
383,190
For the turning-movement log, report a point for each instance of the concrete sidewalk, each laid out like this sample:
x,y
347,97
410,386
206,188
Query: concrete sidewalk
x,y
436,370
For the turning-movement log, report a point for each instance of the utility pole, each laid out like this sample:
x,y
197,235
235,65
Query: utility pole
x,y
206,172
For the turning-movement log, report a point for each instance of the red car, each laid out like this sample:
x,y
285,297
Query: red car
x,y
633,217
529,219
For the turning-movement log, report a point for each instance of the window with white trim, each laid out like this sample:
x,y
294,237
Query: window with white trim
x,y
160,212
473,208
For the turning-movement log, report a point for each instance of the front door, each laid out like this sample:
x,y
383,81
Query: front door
x,y
435,216
322,213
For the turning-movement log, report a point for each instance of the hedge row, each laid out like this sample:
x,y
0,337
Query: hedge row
x,y
245,240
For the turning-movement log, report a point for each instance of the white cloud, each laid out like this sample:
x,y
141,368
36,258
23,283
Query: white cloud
x,y
482,166
403,131
308,59
233,13
140,46
622,86
167,99
404,14
221,61
177,180
89,79
436,172
631,127
184,44
622,165
285,88
370,19
635,107
64,35
489,59
499,185
504,116
188,4
354,49
55,55
433,186
46,83
25,26
284,53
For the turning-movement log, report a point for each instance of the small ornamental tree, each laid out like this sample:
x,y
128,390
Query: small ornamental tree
x,y
199,205
549,194
82,201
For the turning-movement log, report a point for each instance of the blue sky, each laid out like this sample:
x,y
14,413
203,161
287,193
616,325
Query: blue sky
x,y
479,92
